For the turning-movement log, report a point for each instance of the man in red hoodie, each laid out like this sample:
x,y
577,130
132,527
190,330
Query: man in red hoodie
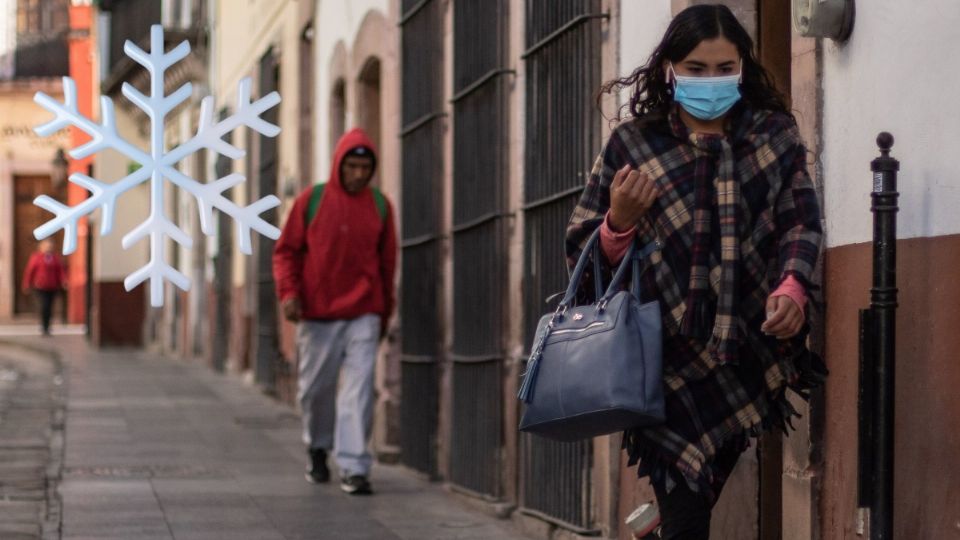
x,y
334,267
46,276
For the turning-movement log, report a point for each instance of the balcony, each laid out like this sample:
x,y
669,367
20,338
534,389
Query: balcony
x,y
42,57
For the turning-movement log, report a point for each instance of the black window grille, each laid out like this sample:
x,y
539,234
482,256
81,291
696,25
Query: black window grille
x,y
42,48
421,147
266,340
129,19
479,252
562,63
223,268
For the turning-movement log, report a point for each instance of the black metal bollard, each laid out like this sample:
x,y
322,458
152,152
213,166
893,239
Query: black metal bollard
x,y
878,351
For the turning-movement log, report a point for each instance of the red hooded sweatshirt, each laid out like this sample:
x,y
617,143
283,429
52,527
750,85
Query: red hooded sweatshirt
x,y
44,272
342,264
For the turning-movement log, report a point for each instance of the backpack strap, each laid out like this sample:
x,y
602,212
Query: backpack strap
x,y
381,203
315,197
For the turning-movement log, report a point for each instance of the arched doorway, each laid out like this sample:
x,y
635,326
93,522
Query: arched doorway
x,y
368,99
338,113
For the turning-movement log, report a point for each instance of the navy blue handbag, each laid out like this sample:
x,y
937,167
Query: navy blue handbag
x,y
596,369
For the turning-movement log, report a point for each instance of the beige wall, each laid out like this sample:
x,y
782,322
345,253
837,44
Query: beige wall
x,y
242,32
110,261
745,10
515,348
346,34
22,152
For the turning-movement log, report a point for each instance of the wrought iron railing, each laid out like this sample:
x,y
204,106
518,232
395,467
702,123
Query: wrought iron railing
x,y
129,19
479,254
421,143
562,137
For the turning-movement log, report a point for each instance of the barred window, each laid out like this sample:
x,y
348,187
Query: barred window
x,y
421,143
562,137
479,242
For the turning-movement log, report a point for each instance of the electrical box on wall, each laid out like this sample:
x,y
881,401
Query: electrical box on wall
x,y
824,18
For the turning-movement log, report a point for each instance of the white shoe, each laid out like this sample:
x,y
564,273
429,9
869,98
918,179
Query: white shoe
x,y
644,522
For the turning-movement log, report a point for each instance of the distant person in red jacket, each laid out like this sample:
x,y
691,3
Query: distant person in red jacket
x,y
46,276
334,266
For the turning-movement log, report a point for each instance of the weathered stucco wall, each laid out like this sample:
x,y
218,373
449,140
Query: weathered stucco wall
x,y
893,75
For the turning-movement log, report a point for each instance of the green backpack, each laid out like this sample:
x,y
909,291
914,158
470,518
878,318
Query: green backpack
x,y
317,194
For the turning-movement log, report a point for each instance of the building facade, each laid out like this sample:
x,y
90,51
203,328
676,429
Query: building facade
x,y
859,100
26,171
36,41
117,316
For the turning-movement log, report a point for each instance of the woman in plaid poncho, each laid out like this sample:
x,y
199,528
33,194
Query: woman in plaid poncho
x,y
709,164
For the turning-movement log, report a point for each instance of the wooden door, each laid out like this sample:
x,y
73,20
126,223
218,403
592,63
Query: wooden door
x,y
774,44
27,217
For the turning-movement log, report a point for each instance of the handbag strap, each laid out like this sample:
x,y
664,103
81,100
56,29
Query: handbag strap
x,y
592,247
597,272
618,276
638,257
632,258
578,270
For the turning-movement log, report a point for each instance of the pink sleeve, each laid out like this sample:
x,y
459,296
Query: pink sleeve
x,y
792,289
615,244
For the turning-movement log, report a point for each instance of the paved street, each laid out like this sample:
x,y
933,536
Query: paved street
x,y
160,449
31,443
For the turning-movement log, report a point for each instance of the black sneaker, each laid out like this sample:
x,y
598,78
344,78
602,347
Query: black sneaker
x,y
317,471
356,485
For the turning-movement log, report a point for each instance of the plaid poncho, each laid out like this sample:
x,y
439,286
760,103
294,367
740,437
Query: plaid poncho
x,y
724,379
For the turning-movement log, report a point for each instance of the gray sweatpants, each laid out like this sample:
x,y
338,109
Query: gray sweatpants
x,y
345,352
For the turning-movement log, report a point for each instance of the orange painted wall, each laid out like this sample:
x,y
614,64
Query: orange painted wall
x,y
82,69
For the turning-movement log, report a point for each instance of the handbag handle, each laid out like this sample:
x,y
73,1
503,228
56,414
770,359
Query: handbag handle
x,y
632,257
597,272
628,260
592,242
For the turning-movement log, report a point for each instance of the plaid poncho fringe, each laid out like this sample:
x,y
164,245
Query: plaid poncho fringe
x,y
713,404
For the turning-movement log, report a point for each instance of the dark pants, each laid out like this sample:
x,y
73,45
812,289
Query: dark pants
x,y
684,513
46,308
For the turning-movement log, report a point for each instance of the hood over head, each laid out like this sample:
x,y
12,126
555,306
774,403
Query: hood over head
x,y
352,140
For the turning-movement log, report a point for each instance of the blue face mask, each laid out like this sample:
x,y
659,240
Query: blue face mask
x,y
706,98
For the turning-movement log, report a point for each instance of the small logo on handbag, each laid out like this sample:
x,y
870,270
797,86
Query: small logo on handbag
x,y
577,316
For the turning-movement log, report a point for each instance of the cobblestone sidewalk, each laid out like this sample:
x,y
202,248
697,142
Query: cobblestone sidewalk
x,y
164,449
31,443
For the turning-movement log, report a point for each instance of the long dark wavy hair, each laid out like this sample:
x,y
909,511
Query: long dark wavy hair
x,y
652,93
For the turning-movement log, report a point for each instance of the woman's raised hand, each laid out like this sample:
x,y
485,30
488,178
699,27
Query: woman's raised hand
x,y
632,193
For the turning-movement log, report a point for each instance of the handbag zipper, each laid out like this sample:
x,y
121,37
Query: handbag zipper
x,y
571,330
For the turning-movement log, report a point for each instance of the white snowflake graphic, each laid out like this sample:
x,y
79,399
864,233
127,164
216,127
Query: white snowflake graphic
x,y
157,166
